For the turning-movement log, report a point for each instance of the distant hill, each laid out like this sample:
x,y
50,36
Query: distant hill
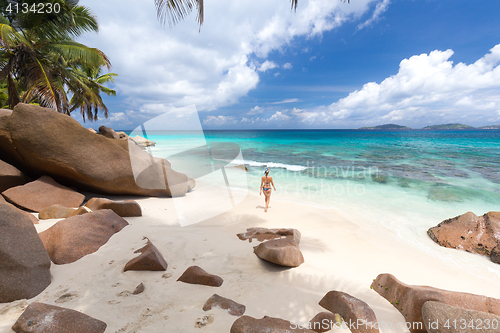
x,y
387,127
454,126
490,127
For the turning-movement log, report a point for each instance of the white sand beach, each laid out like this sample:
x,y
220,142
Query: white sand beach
x,y
343,250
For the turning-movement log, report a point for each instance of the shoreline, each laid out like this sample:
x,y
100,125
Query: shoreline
x,y
341,253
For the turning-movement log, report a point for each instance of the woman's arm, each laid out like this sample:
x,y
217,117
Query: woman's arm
x,y
272,183
260,188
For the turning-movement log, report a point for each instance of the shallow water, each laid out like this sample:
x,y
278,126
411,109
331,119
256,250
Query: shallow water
x,y
430,174
449,171
400,183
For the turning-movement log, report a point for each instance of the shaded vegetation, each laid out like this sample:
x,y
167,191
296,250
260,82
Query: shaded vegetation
x,y
40,62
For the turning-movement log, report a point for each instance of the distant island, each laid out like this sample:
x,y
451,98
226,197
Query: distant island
x,y
387,127
454,126
490,127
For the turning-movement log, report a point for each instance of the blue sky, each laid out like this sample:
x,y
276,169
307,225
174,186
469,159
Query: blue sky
x,y
255,64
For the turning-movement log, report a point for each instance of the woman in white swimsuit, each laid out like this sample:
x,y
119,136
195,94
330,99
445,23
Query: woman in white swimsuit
x,y
265,185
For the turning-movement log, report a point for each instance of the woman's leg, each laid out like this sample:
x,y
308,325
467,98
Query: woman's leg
x,y
268,198
265,199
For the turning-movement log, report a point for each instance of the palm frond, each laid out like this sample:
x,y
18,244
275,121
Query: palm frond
x,y
108,91
42,85
5,66
4,20
176,10
75,22
108,77
201,13
79,53
7,35
71,20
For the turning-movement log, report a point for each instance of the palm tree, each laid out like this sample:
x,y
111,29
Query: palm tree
x,y
39,56
176,10
87,92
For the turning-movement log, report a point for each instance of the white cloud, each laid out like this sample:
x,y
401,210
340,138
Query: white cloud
x,y
270,120
219,120
279,116
255,110
290,100
211,69
427,85
379,10
117,116
287,66
312,58
267,65
427,89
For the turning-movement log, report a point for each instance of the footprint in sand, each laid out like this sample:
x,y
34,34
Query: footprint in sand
x,y
124,293
204,321
18,306
147,313
66,297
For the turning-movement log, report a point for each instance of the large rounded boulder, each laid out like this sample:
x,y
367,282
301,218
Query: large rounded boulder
x,y
77,236
10,176
24,262
50,143
43,193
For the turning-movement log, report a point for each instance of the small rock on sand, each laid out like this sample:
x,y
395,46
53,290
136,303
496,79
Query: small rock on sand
x,y
150,259
197,275
216,301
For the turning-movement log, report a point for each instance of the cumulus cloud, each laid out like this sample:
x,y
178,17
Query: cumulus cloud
x,y
117,116
426,85
268,118
267,65
217,121
427,89
287,66
279,116
182,66
255,110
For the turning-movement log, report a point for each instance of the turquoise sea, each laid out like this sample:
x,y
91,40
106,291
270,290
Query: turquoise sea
x,y
452,171
400,182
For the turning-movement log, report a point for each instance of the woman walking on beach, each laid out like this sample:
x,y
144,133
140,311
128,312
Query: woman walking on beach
x,y
265,185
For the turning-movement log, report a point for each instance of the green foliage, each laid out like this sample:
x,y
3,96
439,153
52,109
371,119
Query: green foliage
x,y
454,126
4,96
387,127
40,61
